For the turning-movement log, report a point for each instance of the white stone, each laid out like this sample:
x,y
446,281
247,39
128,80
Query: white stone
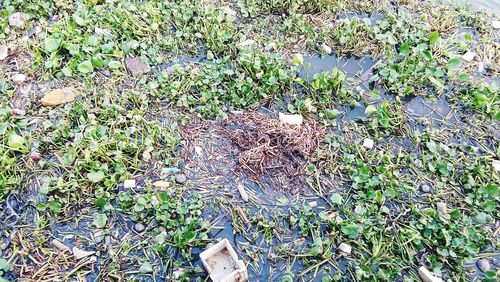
x,y
17,20
198,150
4,52
496,165
326,49
368,143
18,78
129,183
345,248
291,119
427,276
495,24
313,204
469,56
79,254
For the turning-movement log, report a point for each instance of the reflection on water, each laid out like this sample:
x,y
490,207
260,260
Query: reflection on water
x,y
490,5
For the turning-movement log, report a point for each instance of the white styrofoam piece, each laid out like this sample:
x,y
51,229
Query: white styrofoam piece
x,y
222,263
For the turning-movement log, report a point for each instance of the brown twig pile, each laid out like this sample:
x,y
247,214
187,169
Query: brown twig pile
x,y
268,145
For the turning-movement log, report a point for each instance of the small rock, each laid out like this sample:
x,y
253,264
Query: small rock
x,y
17,20
495,24
496,165
139,227
469,56
291,119
427,276
368,143
129,184
198,150
136,67
483,265
79,254
36,156
180,178
243,193
18,78
161,184
425,188
54,18
58,96
4,52
345,249
326,49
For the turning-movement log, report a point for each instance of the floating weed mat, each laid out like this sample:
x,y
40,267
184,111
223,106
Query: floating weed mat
x,y
264,146
39,264
268,145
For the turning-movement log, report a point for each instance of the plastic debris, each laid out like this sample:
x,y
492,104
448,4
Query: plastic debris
x,y
345,249
79,254
243,193
313,204
368,143
59,245
468,56
129,183
496,165
427,276
222,263
291,119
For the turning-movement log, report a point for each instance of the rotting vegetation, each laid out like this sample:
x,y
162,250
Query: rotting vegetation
x,y
425,193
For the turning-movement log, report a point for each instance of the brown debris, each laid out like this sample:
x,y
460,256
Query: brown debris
x,y
267,144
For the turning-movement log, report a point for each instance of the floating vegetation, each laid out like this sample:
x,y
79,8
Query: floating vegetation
x,y
341,140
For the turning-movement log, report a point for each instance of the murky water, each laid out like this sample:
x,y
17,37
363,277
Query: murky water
x,y
490,5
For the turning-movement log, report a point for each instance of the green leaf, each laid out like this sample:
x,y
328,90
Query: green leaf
x,y
434,37
404,49
85,67
454,63
100,220
189,235
298,59
17,142
114,64
431,145
332,113
51,45
336,198
371,109
4,264
491,190
95,176
101,202
146,267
